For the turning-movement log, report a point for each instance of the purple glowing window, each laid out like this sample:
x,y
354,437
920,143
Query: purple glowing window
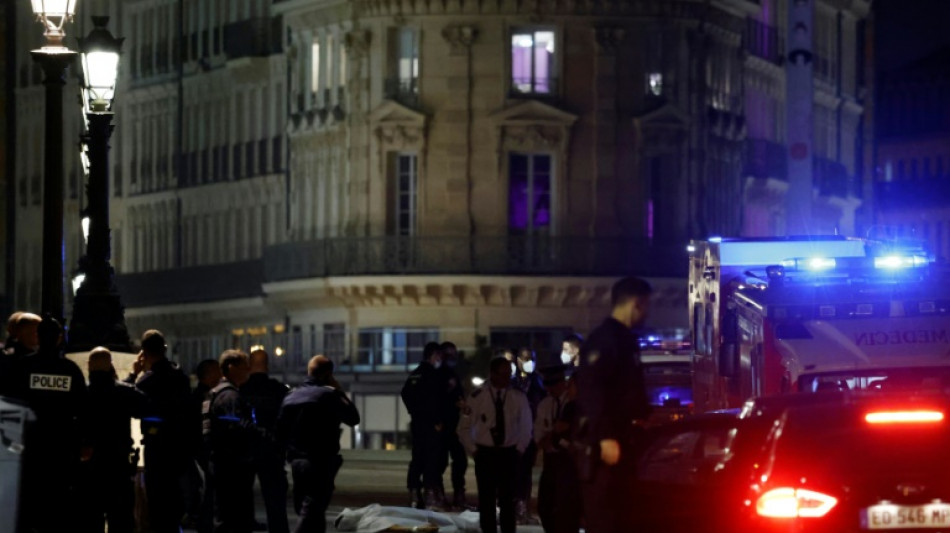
x,y
529,192
532,62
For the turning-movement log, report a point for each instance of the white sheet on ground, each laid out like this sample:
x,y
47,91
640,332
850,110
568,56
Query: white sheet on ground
x,y
376,518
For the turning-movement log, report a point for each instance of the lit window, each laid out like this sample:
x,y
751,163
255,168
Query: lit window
x,y
408,62
529,193
315,67
343,60
655,83
532,62
331,50
404,208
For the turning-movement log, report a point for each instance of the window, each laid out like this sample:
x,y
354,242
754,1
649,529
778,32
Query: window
x,y
331,49
532,62
403,86
334,342
392,349
529,193
343,60
546,342
655,83
315,67
403,222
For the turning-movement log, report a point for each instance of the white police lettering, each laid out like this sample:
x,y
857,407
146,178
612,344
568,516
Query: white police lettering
x,y
50,382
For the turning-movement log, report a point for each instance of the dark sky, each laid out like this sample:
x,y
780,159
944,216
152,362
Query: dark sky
x,y
909,29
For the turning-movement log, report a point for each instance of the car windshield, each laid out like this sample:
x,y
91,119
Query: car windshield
x,y
934,379
668,384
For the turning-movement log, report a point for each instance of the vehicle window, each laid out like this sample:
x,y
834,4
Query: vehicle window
x,y
684,458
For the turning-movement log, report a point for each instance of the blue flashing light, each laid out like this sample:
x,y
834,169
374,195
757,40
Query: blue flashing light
x,y
716,239
895,262
820,263
690,248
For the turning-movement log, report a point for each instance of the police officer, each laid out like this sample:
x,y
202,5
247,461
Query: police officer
x,y
201,509
22,340
424,396
166,425
55,389
612,406
559,500
496,429
265,396
528,381
112,406
231,436
309,425
452,405
571,350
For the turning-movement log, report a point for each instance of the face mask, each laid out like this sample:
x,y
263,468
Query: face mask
x,y
514,369
528,366
437,364
566,358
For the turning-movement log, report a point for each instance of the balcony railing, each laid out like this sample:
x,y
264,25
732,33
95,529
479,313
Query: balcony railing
x,y
764,41
253,37
403,90
913,194
192,284
534,87
512,255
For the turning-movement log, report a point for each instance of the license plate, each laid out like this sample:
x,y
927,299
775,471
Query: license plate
x,y
931,515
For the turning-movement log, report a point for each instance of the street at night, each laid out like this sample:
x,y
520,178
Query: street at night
x,y
521,266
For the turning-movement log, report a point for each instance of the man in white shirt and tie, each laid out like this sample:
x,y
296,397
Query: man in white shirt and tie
x,y
496,429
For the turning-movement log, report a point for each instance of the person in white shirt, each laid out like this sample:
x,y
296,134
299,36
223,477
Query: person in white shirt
x,y
496,429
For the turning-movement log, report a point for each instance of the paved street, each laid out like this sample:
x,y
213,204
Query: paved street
x,y
369,477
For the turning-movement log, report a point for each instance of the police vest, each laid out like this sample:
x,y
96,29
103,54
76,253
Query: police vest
x,y
207,416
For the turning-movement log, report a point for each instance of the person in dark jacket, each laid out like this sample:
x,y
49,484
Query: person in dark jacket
x,y
612,406
22,340
265,396
559,499
452,406
55,389
201,508
309,426
167,426
527,380
424,396
231,437
111,408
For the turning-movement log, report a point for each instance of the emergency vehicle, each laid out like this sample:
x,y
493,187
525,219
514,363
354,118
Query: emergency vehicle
x,y
666,359
809,314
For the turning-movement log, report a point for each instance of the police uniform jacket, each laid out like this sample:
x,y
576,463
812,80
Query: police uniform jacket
x,y
12,355
454,393
551,410
611,393
168,418
310,418
424,395
265,396
475,428
55,389
533,388
232,432
112,405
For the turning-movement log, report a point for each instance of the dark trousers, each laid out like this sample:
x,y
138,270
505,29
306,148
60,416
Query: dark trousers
x,y
111,499
205,517
163,472
313,489
607,496
524,481
233,495
495,475
426,464
273,479
46,478
559,497
456,452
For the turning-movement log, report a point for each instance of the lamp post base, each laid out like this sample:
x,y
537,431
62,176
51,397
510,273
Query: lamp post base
x,y
98,315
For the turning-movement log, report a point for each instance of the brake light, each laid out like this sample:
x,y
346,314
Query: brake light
x,y
794,503
904,417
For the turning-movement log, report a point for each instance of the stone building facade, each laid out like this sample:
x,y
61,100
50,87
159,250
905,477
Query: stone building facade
x,y
360,177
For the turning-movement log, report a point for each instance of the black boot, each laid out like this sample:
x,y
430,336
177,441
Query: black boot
x,y
415,499
459,503
433,501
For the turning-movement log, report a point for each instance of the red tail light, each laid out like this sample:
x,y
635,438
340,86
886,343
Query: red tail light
x,y
794,503
903,417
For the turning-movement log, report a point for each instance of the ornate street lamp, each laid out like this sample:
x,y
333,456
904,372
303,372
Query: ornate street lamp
x,y
98,316
54,14
53,57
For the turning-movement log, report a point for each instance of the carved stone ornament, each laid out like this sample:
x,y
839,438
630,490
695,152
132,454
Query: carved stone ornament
x,y
460,38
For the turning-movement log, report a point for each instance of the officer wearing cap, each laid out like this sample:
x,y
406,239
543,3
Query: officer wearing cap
x,y
559,500
166,425
55,390
612,407
496,430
